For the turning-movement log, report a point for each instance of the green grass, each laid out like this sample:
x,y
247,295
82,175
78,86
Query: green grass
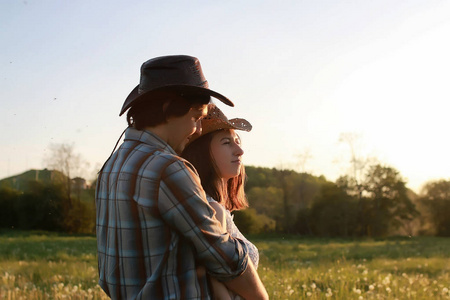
x,y
40,265
402,268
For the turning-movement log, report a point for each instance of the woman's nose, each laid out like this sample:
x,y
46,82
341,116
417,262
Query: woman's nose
x,y
238,151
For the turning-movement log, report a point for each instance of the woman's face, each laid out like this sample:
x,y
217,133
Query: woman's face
x,y
226,151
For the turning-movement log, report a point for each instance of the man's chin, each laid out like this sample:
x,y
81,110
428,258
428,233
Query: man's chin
x,y
181,147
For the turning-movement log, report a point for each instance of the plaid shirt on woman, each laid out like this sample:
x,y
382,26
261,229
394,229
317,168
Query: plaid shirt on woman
x,y
155,226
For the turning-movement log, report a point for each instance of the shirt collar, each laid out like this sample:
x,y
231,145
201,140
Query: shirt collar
x,y
148,137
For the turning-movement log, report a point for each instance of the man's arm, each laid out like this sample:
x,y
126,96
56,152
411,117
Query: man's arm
x,y
182,204
248,284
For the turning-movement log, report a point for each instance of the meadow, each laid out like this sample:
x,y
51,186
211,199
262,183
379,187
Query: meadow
x,y
42,265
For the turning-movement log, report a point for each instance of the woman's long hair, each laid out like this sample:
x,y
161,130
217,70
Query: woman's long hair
x,y
232,196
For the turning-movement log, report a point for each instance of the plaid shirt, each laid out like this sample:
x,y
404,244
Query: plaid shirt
x,y
155,226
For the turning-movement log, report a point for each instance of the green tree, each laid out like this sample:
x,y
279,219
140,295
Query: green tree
x,y
249,221
267,201
387,203
436,200
8,215
281,195
334,212
40,207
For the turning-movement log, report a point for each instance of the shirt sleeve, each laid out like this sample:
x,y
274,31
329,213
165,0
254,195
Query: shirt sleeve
x,y
183,205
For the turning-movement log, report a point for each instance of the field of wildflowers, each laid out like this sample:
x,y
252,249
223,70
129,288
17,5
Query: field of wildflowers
x,y
36,265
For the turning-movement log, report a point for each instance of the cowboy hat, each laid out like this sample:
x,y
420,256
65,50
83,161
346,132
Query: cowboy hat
x,y
178,72
216,120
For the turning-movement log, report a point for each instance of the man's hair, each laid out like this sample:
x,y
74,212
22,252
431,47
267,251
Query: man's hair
x,y
232,196
155,108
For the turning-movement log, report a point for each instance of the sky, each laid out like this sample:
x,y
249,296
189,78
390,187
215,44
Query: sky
x,y
302,72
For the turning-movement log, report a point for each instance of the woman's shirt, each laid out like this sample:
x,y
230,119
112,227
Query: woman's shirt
x,y
235,233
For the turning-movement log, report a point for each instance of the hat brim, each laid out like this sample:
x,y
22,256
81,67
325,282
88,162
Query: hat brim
x,y
135,97
211,125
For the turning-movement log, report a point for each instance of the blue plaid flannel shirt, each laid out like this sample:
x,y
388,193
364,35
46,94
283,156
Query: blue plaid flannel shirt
x,y
155,226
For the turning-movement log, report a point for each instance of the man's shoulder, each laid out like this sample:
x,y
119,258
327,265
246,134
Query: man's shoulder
x,y
164,162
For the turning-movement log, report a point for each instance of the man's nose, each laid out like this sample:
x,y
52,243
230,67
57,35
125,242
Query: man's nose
x,y
198,128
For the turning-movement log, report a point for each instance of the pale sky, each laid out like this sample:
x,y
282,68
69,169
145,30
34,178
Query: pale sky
x,y
302,72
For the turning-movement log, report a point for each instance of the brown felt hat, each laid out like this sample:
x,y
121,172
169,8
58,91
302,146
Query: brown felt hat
x,y
180,73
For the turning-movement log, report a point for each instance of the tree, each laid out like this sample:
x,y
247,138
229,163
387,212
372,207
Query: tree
x,y
359,164
62,157
388,202
267,201
8,199
436,199
333,212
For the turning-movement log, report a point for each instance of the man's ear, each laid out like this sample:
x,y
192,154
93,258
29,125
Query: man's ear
x,y
166,106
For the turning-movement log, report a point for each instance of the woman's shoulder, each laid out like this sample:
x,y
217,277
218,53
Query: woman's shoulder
x,y
210,199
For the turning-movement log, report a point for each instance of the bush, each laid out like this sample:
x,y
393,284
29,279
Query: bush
x,y
80,218
44,206
249,221
8,216
40,207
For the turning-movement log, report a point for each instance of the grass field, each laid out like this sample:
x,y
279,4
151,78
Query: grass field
x,y
36,265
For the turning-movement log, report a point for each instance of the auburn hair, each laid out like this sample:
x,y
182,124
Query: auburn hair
x,y
231,195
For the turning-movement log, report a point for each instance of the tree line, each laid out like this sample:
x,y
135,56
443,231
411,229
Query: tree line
x,y
371,202
378,204
45,205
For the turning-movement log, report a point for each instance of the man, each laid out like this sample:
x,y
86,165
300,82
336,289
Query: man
x,y
154,225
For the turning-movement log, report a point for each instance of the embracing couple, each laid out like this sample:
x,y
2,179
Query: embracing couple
x,y
164,228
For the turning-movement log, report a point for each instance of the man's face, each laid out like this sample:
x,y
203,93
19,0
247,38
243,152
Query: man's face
x,y
182,128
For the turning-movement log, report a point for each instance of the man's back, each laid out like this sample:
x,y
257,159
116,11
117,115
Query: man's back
x,y
149,204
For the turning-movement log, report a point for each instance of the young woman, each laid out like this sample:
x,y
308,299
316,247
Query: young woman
x,y
217,156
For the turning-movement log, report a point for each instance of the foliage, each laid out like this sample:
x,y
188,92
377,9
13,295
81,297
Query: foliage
x,y
284,201
388,203
376,204
334,213
41,207
80,218
62,157
281,194
436,200
249,221
44,206
8,214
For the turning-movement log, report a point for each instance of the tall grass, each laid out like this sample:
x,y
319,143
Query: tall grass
x,y
38,265
412,268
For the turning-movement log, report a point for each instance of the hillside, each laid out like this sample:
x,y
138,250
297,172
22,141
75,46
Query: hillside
x,y
20,182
